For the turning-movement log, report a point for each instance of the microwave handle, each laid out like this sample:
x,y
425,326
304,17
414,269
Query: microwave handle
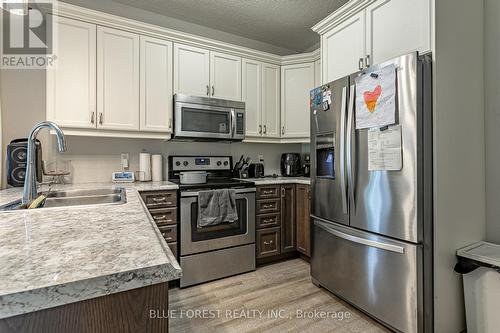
x,y
233,123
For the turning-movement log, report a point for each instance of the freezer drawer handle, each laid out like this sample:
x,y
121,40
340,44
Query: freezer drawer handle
x,y
359,240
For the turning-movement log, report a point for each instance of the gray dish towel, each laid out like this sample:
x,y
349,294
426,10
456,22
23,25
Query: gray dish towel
x,y
216,207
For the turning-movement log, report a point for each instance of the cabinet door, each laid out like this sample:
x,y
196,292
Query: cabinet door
x,y
156,85
317,73
303,220
271,85
117,79
252,96
391,33
191,70
288,223
71,83
297,82
343,47
225,76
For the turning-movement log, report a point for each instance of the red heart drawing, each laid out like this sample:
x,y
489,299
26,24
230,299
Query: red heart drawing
x,y
371,98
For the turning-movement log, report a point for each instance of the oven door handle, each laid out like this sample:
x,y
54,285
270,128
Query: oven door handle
x,y
238,191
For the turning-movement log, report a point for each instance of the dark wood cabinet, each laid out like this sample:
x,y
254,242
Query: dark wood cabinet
x,y
268,242
288,223
162,205
302,208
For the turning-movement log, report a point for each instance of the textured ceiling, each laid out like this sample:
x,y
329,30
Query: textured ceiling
x,y
284,23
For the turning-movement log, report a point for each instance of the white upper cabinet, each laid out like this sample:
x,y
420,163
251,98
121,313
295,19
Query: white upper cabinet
x,y
362,33
252,96
271,94
296,84
317,73
225,76
397,27
71,83
191,70
156,91
117,79
343,48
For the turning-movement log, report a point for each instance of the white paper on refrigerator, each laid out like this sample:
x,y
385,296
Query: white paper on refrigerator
x,y
376,98
384,149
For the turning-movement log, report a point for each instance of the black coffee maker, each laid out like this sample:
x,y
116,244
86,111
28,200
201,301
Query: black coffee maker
x,y
290,165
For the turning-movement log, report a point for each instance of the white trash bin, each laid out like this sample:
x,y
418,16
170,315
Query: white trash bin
x,y
480,265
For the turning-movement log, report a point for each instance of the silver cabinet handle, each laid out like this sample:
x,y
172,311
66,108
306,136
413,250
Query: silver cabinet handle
x,y
100,118
260,129
213,90
351,149
343,187
367,60
170,123
355,239
265,129
268,242
208,90
283,130
92,117
162,199
361,64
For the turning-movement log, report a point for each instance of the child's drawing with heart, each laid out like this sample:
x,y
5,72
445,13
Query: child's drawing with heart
x,y
371,98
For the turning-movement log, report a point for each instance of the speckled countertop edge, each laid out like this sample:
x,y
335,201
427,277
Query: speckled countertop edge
x,y
34,299
279,180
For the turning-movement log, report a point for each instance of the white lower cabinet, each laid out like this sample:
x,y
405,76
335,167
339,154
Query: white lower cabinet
x,y
156,90
117,79
71,83
296,84
261,94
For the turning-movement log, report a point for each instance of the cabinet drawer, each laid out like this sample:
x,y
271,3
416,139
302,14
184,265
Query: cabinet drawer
x,y
164,216
267,192
268,206
173,248
159,199
268,242
268,220
169,233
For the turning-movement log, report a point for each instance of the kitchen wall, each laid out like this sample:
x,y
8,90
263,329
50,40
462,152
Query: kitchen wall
x,y
459,155
492,118
94,159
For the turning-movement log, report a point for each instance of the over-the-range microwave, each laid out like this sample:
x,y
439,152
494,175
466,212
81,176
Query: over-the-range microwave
x,y
208,119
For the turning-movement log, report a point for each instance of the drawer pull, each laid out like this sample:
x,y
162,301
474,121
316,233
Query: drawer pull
x,y
267,192
267,206
268,242
160,217
268,221
159,199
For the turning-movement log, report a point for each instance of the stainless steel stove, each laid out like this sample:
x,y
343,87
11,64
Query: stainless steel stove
x,y
213,252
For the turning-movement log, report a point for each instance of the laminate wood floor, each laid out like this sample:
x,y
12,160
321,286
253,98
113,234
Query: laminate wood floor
x,y
271,299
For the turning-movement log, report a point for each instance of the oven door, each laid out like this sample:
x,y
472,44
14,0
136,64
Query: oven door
x,y
203,121
196,239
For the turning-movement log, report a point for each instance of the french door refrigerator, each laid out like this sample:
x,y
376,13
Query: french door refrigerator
x,y
371,226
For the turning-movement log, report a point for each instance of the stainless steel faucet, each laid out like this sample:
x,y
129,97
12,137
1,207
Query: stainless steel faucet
x,y
30,191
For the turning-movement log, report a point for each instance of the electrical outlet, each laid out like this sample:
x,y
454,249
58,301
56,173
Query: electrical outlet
x,y
124,157
261,158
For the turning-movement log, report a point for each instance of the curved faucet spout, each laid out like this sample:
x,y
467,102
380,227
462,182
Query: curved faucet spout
x,y
30,184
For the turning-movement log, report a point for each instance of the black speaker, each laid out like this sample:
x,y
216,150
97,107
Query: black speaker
x,y
17,154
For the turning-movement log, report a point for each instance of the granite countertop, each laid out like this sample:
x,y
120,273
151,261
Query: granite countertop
x,y
55,256
280,180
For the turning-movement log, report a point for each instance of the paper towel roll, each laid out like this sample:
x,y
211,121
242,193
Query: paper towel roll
x,y
145,167
157,168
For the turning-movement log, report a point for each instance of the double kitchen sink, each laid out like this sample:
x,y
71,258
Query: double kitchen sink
x,y
76,198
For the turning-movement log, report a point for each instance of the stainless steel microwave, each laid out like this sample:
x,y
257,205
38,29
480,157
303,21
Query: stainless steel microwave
x,y
201,118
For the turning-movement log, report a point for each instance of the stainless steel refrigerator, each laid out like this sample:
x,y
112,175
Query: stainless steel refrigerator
x,y
372,230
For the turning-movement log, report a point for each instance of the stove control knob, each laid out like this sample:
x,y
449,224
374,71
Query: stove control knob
x,y
177,163
225,163
219,163
185,163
